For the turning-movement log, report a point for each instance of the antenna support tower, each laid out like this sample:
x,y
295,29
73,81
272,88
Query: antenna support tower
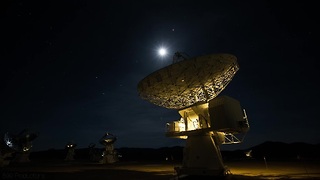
x,y
109,154
70,147
192,86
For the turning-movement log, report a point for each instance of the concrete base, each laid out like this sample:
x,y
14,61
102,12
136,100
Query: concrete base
x,y
201,156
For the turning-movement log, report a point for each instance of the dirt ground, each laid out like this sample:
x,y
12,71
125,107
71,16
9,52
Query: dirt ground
x,y
156,171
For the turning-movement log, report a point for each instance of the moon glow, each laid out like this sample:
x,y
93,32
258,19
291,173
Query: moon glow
x,y
162,51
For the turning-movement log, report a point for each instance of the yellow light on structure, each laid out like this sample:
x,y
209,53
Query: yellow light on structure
x,y
195,123
25,149
182,125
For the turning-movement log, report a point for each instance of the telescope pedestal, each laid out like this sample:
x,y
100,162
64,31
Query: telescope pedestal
x,y
70,155
109,155
201,156
22,157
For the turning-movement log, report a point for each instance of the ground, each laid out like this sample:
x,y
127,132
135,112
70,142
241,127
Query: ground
x,y
241,169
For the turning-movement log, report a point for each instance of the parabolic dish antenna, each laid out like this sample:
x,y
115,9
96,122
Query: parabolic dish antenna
x,y
21,142
108,139
109,154
70,146
188,82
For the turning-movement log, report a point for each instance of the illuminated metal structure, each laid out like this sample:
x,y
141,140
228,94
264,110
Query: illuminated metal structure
x,y
109,155
191,86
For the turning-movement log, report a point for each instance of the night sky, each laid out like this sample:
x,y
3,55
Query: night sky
x,y
70,69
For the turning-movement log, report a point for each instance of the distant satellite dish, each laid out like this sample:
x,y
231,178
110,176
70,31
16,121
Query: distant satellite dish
x,y
10,141
70,146
109,155
6,152
21,142
107,139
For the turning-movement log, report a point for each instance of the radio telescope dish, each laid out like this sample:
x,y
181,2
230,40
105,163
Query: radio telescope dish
x,y
70,146
21,143
6,152
107,139
109,154
189,81
207,120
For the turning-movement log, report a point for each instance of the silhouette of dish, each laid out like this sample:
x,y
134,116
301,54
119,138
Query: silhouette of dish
x,y
107,139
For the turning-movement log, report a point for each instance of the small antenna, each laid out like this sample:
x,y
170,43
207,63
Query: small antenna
x,y
179,56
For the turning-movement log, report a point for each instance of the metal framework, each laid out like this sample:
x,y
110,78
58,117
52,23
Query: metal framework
x,y
191,86
190,81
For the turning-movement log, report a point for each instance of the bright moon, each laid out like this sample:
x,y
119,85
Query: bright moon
x,y
162,51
